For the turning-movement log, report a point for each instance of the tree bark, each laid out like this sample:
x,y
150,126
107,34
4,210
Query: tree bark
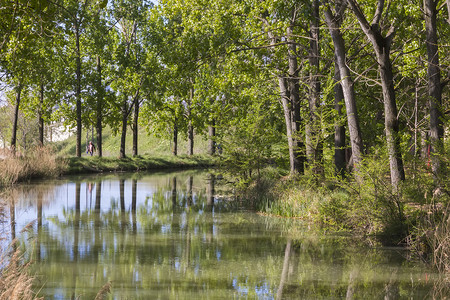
x,y
448,11
381,46
40,116
16,119
346,84
190,126
314,142
99,126
124,130
190,138
175,138
434,90
339,128
293,106
211,138
78,88
288,121
135,128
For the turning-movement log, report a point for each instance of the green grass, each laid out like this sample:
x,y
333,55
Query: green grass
x,y
147,144
87,164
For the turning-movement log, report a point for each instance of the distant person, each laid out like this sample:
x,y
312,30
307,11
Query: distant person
x,y
90,148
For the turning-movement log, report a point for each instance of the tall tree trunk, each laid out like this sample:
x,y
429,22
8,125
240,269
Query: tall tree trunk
x,y
16,119
434,90
190,138
78,88
211,138
314,141
175,138
294,101
135,128
448,11
381,46
124,129
40,115
295,144
291,104
339,128
190,126
346,84
99,126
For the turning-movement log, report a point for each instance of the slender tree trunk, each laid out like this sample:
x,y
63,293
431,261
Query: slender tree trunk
x,y
291,109
124,129
288,121
190,126
434,90
381,46
339,128
190,138
314,142
99,126
211,138
175,138
346,83
448,11
16,119
391,120
294,107
40,116
135,128
78,89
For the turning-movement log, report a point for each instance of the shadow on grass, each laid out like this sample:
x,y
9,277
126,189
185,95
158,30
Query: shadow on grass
x,y
138,163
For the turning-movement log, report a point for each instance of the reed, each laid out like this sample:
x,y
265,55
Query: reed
x,y
15,281
35,163
104,291
440,242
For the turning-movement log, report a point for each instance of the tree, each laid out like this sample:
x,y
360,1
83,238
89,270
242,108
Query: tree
x,y
130,56
434,89
382,46
74,19
345,82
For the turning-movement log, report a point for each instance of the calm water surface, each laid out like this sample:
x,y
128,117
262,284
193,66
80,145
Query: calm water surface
x,y
169,236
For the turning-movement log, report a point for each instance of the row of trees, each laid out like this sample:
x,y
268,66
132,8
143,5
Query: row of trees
x,y
323,74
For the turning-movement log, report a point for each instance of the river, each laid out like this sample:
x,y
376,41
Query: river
x,y
177,236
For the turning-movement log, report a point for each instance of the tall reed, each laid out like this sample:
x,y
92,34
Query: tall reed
x,y
34,163
15,281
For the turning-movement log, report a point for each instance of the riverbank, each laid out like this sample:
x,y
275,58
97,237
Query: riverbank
x,y
94,164
42,162
416,217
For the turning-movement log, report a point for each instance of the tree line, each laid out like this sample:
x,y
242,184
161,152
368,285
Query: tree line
x,y
319,82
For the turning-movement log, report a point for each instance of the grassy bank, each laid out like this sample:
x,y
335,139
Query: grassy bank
x,y
416,217
88,164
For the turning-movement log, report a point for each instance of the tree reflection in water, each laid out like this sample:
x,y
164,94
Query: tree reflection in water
x,y
168,236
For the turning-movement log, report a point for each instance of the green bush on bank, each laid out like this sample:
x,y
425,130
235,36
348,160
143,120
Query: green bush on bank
x,y
369,208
